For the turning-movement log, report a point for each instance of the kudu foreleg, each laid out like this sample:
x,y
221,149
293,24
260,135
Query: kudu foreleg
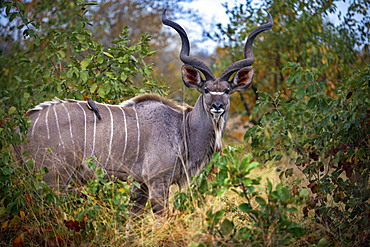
x,y
159,192
139,198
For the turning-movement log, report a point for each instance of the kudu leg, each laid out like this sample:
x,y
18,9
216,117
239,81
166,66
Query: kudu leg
x,y
159,192
139,198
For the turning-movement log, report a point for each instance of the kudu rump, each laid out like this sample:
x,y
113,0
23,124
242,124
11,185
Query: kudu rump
x,y
155,141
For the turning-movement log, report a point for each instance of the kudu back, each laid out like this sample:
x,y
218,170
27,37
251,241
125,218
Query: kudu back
x,y
155,141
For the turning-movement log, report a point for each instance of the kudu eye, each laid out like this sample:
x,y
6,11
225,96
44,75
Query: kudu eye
x,y
227,91
206,90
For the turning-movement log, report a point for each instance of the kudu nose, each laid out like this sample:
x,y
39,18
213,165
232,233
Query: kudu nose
x,y
217,106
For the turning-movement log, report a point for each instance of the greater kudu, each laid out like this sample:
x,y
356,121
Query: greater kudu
x,y
155,141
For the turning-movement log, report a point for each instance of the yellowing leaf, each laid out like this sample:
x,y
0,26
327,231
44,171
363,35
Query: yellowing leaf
x,y
84,63
12,110
290,135
107,54
22,215
266,132
93,88
62,54
122,190
123,76
26,95
4,225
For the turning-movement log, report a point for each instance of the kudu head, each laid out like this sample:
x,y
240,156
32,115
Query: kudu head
x,y
216,91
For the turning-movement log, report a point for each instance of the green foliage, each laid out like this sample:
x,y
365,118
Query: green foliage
x,y
99,209
327,139
264,215
317,118
58,58
48,61
302,33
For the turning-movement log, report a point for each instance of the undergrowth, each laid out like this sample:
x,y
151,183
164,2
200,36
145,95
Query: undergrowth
x,y
319,143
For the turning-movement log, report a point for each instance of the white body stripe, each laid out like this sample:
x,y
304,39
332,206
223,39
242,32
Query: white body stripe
x,y
93,147
46,121
84,157
57,122
111,134
124,121
70,124
138,138
34,125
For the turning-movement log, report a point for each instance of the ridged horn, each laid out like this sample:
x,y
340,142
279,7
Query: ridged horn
x,y
248,51
185,49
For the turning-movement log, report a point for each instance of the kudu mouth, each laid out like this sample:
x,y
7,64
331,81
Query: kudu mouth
x,y
217,114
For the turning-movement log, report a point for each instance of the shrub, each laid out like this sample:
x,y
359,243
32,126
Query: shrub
x,y
58,58
263,216
327,139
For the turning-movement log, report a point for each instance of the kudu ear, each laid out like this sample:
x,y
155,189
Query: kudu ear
x,y
242,79
191,77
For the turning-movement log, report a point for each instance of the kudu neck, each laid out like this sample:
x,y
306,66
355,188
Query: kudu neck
x,y
200,137
200,131
199,118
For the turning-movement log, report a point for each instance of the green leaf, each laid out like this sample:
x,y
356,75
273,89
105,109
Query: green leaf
x,y
304,193
247,181
312,103
12,16
11,110
123,76
101,92
107,87
100,59
84,75
226,226
301,93
253,165
323,242
110,75
260,201
244,164
21,6
93,88
147,72
84,63
245,207
291,77
219,214
47,52
62,54
8,8
269,185
26,96
297,231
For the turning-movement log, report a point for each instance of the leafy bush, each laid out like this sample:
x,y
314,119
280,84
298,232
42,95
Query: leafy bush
x,y
322,131
327,139
58,58
263,217
99,208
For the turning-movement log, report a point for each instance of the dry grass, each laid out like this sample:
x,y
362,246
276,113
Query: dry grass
x,y
46,224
